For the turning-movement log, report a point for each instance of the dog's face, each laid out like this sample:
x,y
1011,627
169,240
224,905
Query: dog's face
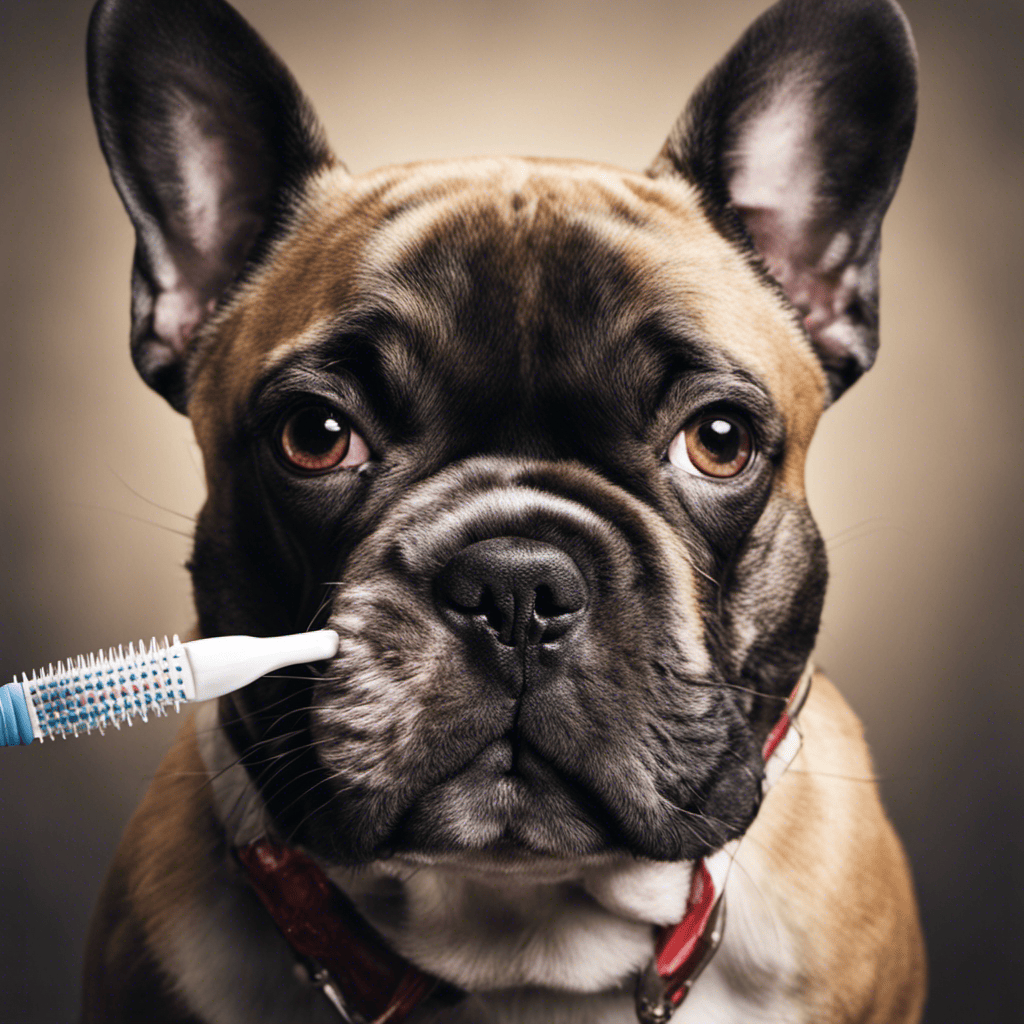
x,y
517,419
529,435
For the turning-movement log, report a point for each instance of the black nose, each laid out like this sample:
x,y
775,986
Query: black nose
x,y
512,590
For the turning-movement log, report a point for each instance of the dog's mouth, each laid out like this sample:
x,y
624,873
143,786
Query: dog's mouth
x,y
512,788
508,801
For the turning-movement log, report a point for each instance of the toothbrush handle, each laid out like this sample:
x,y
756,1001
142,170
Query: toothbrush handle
x,y
221,664
15,723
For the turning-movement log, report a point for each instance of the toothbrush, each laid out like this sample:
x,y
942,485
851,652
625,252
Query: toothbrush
x,y
98,690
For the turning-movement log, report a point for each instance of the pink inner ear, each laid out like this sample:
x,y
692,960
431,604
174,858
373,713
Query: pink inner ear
x,y
213,219
819,278
222,193
176,314
776,187
777,173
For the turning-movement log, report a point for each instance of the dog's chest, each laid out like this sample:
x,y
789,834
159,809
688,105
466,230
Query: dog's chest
x,y
561,952
560,957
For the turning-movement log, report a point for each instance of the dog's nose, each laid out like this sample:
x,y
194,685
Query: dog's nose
x,y
514,590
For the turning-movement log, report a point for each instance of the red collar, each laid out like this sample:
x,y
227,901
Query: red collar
x,y
369,983
362,977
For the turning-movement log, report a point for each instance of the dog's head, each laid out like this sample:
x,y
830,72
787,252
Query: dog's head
x,y
528,434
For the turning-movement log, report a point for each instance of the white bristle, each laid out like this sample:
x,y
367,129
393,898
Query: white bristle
x,y
95,690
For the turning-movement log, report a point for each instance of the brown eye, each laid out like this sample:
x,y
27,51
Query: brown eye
x,y
712,444
318,438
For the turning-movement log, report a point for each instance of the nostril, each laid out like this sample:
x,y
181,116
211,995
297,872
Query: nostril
x,y
488,609
567,597
462,594
545,604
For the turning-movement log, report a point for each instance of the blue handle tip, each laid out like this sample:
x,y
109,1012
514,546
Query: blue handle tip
x,y
15,723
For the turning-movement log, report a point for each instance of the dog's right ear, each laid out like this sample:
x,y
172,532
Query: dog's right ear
x,y
208,139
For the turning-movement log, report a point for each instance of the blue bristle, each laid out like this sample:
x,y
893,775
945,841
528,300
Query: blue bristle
x,y
107,689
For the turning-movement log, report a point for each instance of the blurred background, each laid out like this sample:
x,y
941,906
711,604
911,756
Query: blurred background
x,y
915,477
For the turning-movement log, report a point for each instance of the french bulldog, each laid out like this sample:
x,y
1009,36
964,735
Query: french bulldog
x,y
529,435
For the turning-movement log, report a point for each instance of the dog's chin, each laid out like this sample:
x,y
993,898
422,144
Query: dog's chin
x,y
507,806
511,808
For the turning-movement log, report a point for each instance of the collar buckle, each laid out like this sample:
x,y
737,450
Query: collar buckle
x,y
319,977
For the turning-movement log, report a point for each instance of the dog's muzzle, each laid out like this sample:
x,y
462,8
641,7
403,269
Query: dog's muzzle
x,y
522,668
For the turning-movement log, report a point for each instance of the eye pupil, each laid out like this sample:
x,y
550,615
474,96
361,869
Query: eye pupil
x,y
721,439
315,431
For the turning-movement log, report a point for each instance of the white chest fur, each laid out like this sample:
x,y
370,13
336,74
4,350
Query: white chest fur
x,y
557,946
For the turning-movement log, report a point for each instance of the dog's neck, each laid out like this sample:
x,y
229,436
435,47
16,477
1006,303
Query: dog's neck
x,y
585,927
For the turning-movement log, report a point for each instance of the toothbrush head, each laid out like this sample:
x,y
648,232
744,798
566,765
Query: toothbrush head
x,y
96,691
99,690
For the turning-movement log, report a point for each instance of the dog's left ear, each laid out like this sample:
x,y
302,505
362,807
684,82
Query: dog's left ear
x,y
208,139
802,131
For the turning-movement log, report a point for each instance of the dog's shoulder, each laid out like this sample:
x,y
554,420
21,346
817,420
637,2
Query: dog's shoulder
x,y
177,934
823,834
159,845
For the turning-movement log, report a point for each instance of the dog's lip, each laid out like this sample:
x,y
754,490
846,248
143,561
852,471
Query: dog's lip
x,y
515,764
501,862
507,803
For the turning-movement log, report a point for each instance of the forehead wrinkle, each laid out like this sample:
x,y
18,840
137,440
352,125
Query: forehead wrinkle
x,y
350,235
310,275
669,247
394,271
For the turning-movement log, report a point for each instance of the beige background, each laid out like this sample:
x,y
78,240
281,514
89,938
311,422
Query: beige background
x,y
915,477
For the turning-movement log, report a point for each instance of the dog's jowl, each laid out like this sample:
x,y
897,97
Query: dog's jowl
x,y
530,436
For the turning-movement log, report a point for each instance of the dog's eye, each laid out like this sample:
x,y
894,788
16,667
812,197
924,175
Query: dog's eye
x,y
318,438
712,444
